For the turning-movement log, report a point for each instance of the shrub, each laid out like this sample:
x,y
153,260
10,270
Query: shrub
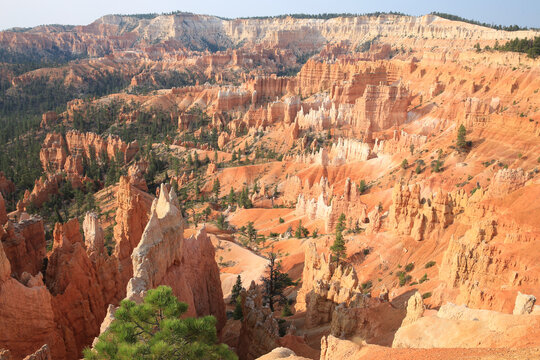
x,y
404,164
409,267
429,264
404,278
436,166
426,295
367,285
286,311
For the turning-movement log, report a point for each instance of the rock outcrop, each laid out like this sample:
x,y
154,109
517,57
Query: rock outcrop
x,y
24,245
260,331
415,309
524,304
461,327
59,153
6,186
324,286
133,207
43,353
27,318
164,257
333,348
329,207
417,217
78,301
3,213
506,181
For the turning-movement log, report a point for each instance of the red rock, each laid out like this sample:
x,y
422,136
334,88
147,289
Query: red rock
x,y
3,214
6,185
43,353
132,211
260,332
48,119
26,312
24,245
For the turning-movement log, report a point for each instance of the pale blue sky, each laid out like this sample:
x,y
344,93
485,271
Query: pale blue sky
x,y
25,13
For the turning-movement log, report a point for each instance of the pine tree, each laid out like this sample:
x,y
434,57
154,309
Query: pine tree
x,y
244,200
461,138
155,330
338,249
215,188
363,187
256,187
275,282
251,232
221,223
237,289
231,199
298,232
404,164
197,189
238,314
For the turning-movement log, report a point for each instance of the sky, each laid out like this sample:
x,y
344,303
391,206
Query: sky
x,y
27,13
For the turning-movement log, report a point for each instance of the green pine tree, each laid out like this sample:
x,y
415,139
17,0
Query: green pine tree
x,y
237,289
461,138
155,330
231,198
215,188
275,281
338,249
238,314
251,232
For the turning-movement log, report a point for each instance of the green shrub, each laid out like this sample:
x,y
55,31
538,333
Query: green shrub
x,y
286,311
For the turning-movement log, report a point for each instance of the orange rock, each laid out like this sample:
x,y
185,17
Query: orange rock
x,y
48,119
26,312
260,332
78,300
6,185
24,245
164,257
132,211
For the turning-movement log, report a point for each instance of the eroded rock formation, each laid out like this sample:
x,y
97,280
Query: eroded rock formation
x,y
164,257
260,331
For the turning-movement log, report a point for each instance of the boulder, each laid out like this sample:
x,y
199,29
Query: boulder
x,y
524,304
